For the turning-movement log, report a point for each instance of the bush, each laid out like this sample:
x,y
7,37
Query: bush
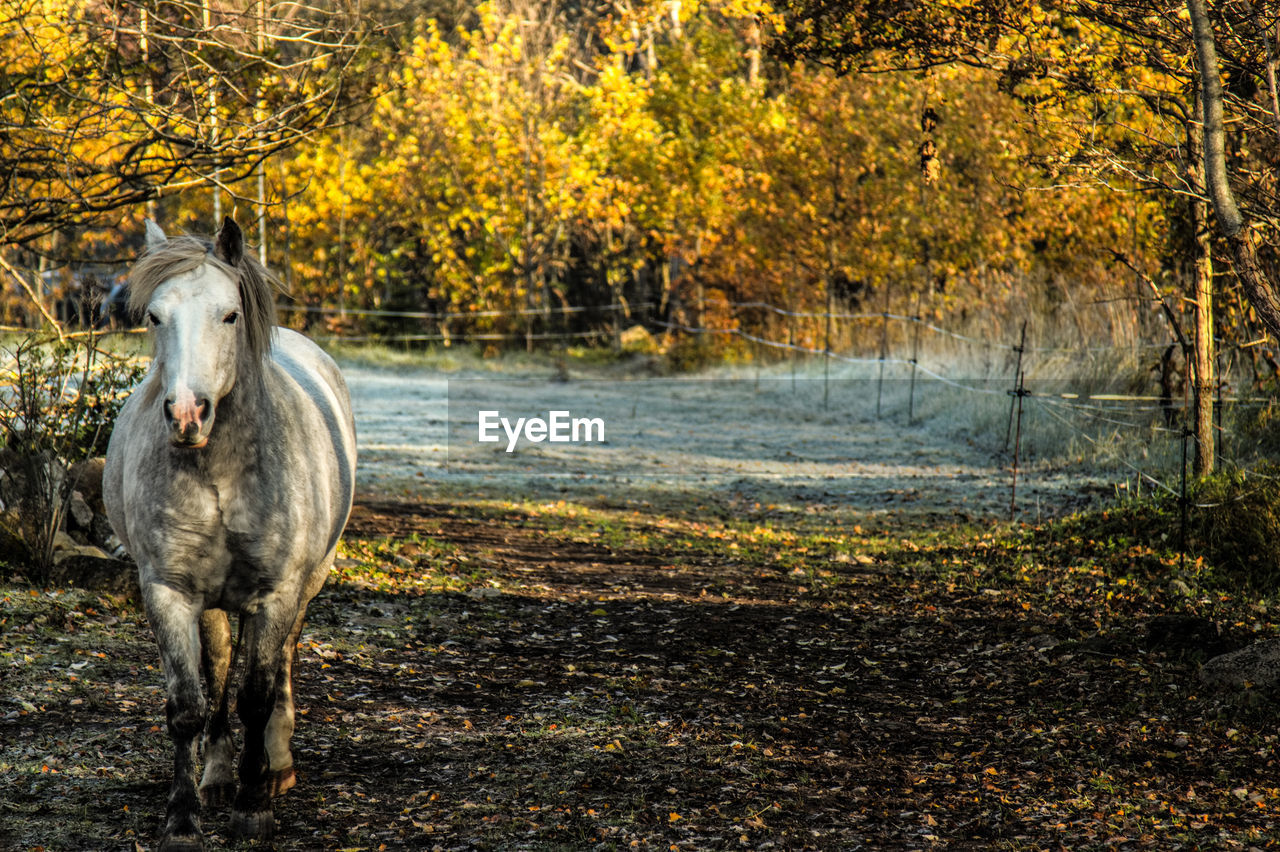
x,y
1235,522
58,402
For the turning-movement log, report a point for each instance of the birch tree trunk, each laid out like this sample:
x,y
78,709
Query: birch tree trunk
x,y
1202,361
1257,288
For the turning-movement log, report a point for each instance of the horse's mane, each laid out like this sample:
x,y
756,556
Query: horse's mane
x,y
185,254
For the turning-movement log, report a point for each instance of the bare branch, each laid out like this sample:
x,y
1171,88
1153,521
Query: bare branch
x,y
35,299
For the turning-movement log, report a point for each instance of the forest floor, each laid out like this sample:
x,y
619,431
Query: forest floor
x,y
532,662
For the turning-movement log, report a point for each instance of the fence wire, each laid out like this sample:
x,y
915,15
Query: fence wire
x,y
1102,409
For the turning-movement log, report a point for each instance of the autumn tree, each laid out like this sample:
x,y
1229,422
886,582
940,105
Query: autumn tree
x,y
1241,227
1109,90
107,106
524,161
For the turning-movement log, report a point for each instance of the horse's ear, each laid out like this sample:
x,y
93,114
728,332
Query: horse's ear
x,y
230,242
155,236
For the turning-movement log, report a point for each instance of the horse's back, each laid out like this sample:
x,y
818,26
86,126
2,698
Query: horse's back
x,y
302,359
316,374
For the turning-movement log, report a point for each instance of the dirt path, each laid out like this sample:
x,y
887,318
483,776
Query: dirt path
x,y
486,675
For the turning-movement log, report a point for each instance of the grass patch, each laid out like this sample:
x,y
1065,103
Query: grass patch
x,y
476,359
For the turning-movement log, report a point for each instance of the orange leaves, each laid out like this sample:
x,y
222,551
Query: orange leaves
x,y
509,158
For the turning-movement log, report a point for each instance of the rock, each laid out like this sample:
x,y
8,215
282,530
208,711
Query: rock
x,y
63,541
99,573
12,547
86,477
101,533
72,552
1256,667
79,515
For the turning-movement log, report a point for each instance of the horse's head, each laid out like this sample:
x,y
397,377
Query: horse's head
x,y
194,301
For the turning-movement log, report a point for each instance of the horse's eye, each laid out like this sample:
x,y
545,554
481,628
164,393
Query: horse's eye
x,y
155,320
231,317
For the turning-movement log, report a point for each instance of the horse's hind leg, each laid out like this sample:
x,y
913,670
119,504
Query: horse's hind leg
x,y
174,621
218,784
280,726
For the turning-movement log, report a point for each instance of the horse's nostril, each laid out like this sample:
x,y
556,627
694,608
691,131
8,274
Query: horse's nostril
x,y
204,408
168,409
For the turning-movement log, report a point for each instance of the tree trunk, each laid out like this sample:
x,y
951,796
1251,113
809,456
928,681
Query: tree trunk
x,y
1203,355
1257,288
753,54
1202,297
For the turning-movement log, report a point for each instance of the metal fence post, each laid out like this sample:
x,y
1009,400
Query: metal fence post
x,y
1018,394
884,347
1017,372
915,356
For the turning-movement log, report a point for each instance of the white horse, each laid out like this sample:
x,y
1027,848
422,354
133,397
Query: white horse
x,y
229,478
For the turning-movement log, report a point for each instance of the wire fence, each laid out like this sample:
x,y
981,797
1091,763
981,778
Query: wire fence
x,y
1079,412
1076,411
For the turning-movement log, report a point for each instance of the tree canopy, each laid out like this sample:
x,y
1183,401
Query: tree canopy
x,y
511,160
106,105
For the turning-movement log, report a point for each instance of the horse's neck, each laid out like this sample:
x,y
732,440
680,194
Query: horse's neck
x,y
249,414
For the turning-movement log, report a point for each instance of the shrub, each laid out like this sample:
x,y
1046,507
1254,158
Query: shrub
x,y
1235,521
58,401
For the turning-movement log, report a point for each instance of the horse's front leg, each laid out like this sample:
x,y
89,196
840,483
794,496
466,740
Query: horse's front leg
x,y
218,784
174,619
265,632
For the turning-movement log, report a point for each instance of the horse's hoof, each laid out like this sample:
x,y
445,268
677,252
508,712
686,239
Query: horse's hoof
x,y
182,843
217,795
281,782
258,825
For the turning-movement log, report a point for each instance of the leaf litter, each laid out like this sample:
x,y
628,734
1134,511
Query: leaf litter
x,y
483,673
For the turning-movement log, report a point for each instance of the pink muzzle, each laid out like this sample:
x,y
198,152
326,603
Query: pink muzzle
x,y
187,414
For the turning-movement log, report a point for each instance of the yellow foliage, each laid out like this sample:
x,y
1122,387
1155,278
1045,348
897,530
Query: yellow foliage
x,y
499,158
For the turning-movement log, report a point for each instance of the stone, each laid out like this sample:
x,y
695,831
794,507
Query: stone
x,y
12,547
62,554
1256,667
102,534
79,515
86,477
87,570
